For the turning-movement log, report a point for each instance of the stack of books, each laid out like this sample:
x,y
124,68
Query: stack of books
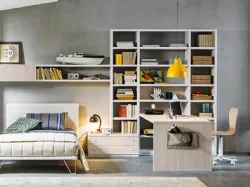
x,y
125,44
126,58
149,62
125,94
48,74
118,78
130,77
127,111
128,127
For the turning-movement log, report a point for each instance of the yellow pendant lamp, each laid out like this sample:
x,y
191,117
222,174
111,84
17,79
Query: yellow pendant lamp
x,y
177,69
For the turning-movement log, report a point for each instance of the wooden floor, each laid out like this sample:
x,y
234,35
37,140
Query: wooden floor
x,y
223,175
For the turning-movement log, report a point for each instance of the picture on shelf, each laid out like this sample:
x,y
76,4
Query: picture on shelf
x,y
151,76
10,52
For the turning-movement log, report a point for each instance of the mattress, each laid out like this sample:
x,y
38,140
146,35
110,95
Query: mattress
x,y
39,144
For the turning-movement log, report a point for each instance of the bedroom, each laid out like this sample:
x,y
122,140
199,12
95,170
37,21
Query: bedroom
x,y
71,26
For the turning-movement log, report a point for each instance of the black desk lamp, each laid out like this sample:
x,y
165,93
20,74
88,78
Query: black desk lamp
x,y
94,119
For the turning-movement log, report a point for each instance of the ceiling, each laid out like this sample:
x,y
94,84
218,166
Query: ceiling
x,y
11,4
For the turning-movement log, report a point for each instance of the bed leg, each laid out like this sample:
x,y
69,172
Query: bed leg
x,y
1,164
67,167
75,167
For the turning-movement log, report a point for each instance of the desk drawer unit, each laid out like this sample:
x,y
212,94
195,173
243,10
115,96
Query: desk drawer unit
x,y
113,145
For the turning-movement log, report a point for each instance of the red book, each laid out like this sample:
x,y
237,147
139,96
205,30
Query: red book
x,y
122,113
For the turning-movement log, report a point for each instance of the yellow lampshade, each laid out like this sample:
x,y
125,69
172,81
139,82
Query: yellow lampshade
x,y
177,69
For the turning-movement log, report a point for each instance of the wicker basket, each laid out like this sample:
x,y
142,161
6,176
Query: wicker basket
x,y
194,97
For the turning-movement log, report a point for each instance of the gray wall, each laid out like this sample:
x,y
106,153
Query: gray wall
x,y
73,25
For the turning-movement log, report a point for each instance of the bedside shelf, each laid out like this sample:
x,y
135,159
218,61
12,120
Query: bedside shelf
x,y
145,136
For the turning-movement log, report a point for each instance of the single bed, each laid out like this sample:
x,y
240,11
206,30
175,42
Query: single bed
x,y
43,144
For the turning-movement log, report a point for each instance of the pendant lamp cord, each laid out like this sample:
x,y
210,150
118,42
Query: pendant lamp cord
x,y
177,56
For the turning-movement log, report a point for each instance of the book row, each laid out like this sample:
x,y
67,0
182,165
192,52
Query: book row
x,y
48,74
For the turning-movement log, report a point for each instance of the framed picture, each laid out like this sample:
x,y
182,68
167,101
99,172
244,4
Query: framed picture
x,y
151,76
10,52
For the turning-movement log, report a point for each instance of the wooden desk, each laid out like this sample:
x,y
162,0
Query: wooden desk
x,y
177,159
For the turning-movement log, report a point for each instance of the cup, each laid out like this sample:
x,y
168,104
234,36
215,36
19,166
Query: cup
x,y
169,95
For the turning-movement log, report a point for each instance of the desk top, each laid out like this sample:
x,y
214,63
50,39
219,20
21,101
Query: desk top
x,y
164,119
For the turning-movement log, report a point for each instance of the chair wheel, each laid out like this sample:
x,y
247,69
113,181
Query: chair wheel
x,y
214,163
232,162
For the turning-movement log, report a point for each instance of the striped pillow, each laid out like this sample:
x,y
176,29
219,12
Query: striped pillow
x,y
50,121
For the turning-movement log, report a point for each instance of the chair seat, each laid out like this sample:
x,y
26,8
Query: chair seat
x,y
223,133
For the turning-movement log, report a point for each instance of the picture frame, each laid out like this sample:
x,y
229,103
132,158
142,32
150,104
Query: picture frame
x,y
151,76
10,52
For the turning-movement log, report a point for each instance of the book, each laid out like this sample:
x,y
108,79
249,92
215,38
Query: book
x,y
42,73
118,59
55,73
134,58
122,127
52,74
47,75
37,74
122,111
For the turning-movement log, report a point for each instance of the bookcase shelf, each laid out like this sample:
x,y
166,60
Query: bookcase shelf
x,y
125,66
164,48
203,48
124,101
126,48
74,81
202,101
124,119
163,85
163,55
72,66
161,101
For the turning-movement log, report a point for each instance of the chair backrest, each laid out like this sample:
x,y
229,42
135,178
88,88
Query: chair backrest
x,y
233,113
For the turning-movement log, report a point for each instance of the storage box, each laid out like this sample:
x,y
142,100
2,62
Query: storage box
x,y
206,40
205,115
202,58
202,97
201,77
201,81
201,62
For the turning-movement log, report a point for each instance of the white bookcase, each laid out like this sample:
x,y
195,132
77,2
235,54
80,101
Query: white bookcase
x,y
183,87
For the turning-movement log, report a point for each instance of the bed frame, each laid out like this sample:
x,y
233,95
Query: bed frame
x,y
14,111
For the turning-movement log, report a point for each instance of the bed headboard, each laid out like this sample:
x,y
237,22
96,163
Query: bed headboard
x,y
14,111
